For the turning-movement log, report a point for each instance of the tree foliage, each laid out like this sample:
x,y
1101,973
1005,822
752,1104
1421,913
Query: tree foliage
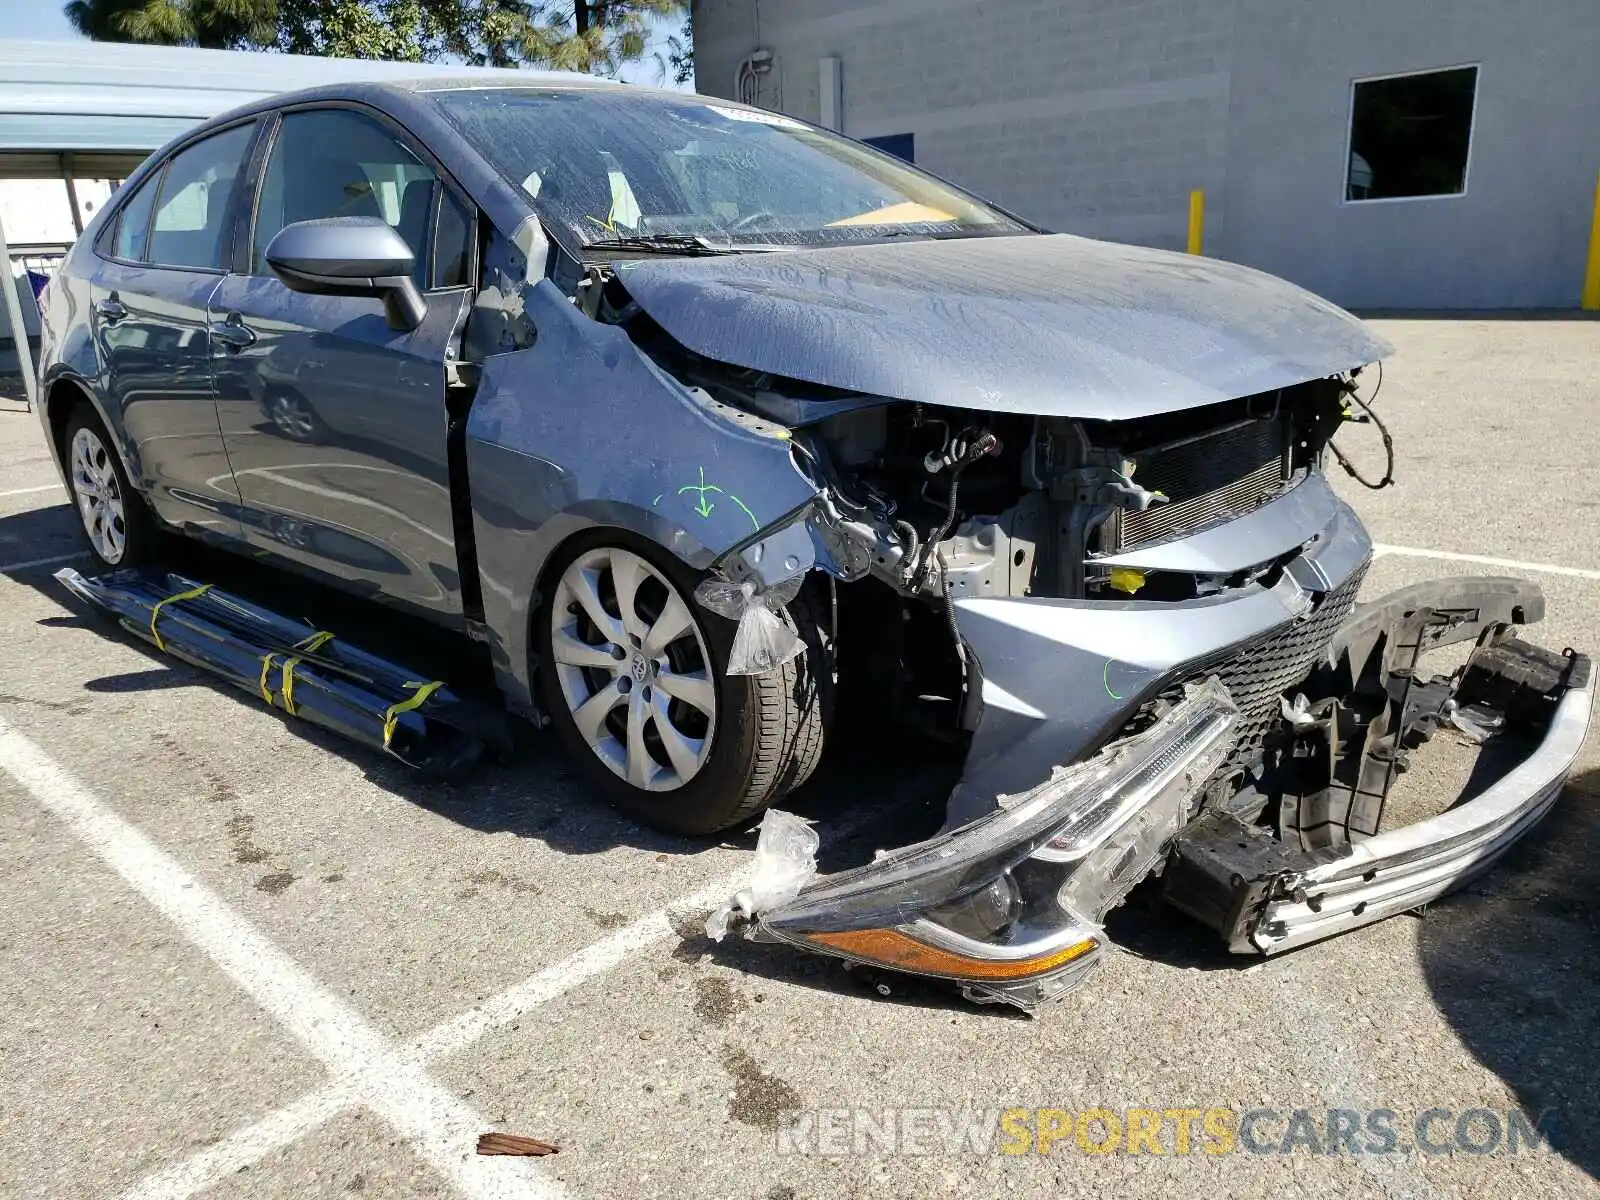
x,y
680,52
586,35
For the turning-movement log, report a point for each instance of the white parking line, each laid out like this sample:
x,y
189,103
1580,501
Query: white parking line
x,y
1509,564
7,568
245,1148
48,487
249,1145
439,1126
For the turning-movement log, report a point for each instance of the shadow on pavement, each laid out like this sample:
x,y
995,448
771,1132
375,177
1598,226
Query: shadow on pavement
x,y
538,793
1513,961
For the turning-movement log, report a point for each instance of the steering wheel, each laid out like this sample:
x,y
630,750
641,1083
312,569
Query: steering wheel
x,y
751,219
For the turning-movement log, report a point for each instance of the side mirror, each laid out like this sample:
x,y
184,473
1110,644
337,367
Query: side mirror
x,y
350,256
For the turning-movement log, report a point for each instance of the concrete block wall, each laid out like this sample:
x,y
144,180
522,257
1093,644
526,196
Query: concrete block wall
x,y
1516,239
1099,117
1089,116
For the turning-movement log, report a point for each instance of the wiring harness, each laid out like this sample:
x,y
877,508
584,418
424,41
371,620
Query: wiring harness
x,y
1368,417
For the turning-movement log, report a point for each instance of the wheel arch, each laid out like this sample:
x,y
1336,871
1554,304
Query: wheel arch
x,y
512,605
62,397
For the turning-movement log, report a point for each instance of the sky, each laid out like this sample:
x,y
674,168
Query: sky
x,y
46,20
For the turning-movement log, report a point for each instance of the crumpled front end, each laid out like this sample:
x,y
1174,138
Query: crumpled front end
x,y
1241,744
1100,553
1274,850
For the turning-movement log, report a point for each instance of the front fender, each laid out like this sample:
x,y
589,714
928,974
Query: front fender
x,y
581,430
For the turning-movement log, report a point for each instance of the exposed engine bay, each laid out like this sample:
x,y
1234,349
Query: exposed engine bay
x,y
940,505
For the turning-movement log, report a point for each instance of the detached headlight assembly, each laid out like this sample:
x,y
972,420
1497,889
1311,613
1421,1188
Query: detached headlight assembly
x,y
1010,904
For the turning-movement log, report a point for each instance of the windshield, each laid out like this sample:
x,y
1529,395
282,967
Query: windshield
x,y
607,165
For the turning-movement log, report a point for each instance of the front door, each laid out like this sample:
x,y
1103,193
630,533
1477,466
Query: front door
x,y
334,421
154,278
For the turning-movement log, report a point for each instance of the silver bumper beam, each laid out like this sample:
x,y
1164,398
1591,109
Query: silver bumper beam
x,y
1404,868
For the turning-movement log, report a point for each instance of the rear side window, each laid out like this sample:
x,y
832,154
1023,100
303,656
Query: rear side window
x,y
338,163
133,222
191,222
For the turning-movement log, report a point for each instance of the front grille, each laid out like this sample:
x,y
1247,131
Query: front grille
x,y
1208,478
1258,675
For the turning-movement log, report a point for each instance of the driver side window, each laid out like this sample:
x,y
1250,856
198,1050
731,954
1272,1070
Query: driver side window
x,y
339,163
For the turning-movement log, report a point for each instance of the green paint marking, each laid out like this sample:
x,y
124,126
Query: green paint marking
x,y
746,510
657,501
1105,678
703,506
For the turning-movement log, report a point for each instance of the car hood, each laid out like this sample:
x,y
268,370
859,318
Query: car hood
x,y
1048,324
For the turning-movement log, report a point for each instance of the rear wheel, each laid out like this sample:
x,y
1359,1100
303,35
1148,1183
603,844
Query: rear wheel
x,y
119,528
634,676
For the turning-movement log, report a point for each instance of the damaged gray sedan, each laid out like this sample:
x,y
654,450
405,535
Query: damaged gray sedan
x,y
713,425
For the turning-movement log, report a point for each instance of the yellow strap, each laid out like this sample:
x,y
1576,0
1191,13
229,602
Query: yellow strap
x,y
156,611
315,642
287,678
391,717
266,689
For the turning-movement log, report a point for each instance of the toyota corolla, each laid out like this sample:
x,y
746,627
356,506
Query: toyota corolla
x,y
702,419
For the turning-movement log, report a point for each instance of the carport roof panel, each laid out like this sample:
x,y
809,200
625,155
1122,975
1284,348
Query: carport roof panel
x,y
85,95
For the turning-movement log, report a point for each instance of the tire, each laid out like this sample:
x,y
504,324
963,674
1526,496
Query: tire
x,y
119,527
762,737
292,416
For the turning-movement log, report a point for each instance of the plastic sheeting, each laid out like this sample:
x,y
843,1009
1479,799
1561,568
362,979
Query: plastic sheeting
x,y
763,640
786,860
307,673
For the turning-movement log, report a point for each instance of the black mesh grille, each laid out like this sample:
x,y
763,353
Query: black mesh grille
x,y
1229,472
1258,675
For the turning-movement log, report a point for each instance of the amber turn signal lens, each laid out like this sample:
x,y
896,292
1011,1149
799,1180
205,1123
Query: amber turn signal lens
x,y
894,949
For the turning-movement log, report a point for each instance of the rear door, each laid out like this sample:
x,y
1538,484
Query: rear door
x,y
159,262
334,422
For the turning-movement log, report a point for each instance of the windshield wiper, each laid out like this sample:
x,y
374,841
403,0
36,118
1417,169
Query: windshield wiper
x,y
688,244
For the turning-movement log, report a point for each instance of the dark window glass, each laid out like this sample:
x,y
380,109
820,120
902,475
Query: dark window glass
x,y
338,163
133,222
452,244
191,225
1410,135
605,164
901,145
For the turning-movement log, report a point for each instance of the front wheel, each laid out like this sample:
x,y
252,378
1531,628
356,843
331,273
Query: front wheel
x,y
634,676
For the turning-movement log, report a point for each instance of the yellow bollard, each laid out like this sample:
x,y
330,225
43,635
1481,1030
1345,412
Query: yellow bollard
x,y
1591,277
1197,220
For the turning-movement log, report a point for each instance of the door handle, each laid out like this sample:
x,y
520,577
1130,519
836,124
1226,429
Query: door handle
x,y
110,310
232,333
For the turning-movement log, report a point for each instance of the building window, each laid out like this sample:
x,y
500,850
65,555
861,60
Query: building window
x,y
1410,135
901,145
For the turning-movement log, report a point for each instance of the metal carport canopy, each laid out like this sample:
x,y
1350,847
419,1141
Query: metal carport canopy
x,y
97,109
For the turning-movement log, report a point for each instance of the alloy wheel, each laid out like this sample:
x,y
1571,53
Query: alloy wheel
x,y
99,496
293,417
634,669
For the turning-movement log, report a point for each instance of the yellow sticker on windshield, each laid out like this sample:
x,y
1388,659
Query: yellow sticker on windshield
x,y
907,212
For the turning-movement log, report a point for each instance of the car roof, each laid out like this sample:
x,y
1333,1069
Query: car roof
x,y
403,96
